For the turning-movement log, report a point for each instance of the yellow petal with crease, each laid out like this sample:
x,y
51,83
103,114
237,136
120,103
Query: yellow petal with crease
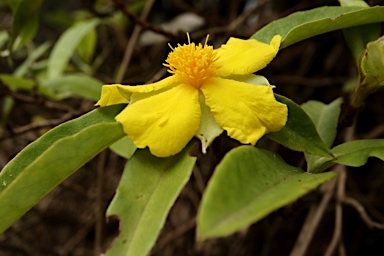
x,y
245,111
165,122
117,93
110,95
240,57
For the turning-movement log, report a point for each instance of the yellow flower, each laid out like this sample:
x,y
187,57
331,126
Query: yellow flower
x,y
200,95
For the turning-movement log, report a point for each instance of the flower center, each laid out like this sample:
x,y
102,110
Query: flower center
x,y
192,64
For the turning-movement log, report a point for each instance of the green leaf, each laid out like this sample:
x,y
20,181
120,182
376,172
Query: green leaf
x,y
25,22
17,83
3,38
75,84
147,190
49,160
360,3
36,54
357,37
247,185
87,46
250,79
371,72
302,25
209,129
6,109
13,3
124,147
299,133
67,44
325,117
356,153
353,153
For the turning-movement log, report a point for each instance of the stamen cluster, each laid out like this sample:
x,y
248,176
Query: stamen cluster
x,y
192,64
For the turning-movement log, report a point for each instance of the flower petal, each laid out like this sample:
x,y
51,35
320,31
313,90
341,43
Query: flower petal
x,y
245,111
117,93
240,57
165,122
209,129
110,95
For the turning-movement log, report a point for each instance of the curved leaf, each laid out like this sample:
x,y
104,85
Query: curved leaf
x,y
353,153
22,70
25,22
325,117
49,160
299,133
356,153
67,45
246,186
302,25
147,190
124,147
74,84
17,83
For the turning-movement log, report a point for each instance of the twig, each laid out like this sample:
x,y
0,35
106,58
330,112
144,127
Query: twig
x,y
229,28
336,238
363,214
375,132
141,21
177,232
99,216
313,219
77,237
199,179
242,18
159,74
34,100
135,35
43,124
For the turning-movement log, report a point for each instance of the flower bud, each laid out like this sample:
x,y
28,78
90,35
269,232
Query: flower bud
x,y
371,71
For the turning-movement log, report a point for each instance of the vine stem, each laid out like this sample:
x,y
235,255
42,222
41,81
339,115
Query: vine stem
x,y
132,41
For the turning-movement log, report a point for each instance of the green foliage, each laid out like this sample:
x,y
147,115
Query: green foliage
x,y
357,37
356,153
299,133
124,147
87,46
25,22
48,161
147,190
325,117
353,153
247,185
17,83
73,84
302,25
23,69
67,45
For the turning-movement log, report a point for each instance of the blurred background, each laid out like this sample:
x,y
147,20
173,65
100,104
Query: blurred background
x,y
128,46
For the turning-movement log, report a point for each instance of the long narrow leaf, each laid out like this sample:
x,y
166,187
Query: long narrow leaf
x,y
302,25
147,190
299,133
46,162
67,45
247,185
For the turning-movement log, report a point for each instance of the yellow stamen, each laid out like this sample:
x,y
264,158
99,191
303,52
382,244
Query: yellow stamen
x,y
192,64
